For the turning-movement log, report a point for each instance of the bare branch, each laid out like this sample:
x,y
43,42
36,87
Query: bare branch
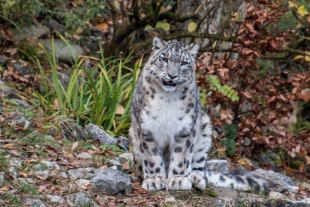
x,y
114,13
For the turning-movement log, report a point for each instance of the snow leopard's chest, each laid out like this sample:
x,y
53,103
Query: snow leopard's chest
x,y
165,117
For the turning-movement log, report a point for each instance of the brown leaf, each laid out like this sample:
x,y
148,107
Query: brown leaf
x,y
42,188
23,174
125,166
74,145
305,94
307,158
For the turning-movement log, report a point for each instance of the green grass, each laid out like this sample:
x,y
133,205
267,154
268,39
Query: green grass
x,y
100,94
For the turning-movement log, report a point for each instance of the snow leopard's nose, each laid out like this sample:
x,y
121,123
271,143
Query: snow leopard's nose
x,y
172,76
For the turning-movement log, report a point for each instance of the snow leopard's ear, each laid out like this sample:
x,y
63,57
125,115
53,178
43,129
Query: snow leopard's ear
x,y
158,43
193,49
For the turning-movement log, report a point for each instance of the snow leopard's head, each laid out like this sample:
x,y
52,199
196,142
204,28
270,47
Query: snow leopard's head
x,y
172,63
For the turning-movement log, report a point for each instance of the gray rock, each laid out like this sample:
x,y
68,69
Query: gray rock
x,y
3,60
278,182
110,182
64,175
115,162
34,202
43,175
7,92
13,172
98,134
82,183
217,166
127,156
32,31
55,199
65,52
2,179
50,165
18,119
70,129
79,199
15,162
81,173
56,26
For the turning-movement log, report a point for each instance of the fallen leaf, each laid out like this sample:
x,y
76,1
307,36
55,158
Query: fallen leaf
x,y
84,155
42,188
125,166
305,94
307,158
23,174
4,188
14,152
74,145
10,145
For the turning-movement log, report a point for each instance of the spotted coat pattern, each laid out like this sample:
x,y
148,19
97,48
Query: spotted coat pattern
x,y
170,134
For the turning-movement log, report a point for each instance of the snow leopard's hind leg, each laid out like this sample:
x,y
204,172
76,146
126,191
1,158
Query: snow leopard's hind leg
x,y
201,150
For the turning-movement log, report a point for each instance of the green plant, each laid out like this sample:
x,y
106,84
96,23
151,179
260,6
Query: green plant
x,y
100,95
231,132
226,90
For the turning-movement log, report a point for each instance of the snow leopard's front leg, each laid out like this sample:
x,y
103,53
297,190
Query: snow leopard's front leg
x,y
152,163
200,153
180,162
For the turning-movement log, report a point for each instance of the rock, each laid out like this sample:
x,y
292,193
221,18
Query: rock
x,y
70,129
115,163
56,26
50,165
81,173
278,182
247,142
98,134
217,166
55,199
34,202
33,31
170,199
65,52
275,195
269,157
123,142
64,175
7,92
43,174
18,119
82,183
79,199
124,157
3,60
110,182
2,179
13,172
21,68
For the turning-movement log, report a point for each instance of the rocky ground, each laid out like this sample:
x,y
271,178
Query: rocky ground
x,y
88,167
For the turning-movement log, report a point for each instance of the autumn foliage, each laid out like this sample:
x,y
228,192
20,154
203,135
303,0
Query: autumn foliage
x,y
272,81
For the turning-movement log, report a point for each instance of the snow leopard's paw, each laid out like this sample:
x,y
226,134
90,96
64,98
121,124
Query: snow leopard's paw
x,y
179,183
153,184
198,181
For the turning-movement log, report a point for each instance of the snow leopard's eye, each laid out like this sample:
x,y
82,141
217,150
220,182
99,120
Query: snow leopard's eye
x,y
164,59
184,63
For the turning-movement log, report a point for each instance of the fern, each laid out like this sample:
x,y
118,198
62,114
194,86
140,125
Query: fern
x,y
226,90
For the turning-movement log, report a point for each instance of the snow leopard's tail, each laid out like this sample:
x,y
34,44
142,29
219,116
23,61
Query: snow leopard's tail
x,y
237,179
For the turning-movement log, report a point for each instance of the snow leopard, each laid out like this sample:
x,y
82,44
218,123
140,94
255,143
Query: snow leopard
x,y
170,134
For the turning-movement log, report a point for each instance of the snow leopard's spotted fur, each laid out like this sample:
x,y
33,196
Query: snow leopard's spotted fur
x,y
170,134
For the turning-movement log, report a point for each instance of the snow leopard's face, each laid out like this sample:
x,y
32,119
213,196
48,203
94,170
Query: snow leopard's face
x,y
173,63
